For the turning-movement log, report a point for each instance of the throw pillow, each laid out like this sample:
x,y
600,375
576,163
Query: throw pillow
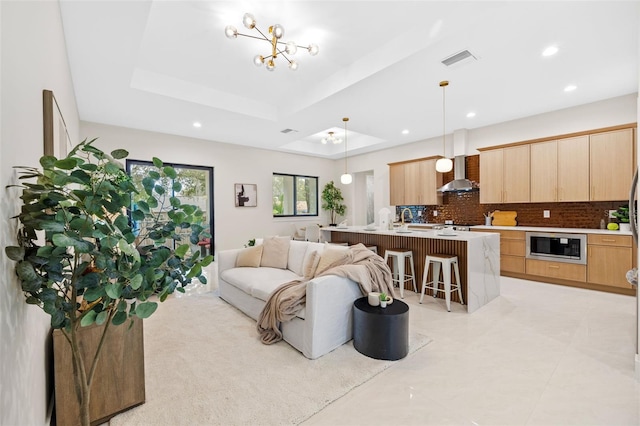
x,y
275,252
249,257
311,264
330,255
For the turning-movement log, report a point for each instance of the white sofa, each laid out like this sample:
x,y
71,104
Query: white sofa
x,y
326,321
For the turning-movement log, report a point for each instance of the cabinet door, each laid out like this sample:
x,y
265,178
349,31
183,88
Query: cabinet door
x,y
412,183
573,169
608,265
396,184
611,163
544,172
516,174
430,181
491,176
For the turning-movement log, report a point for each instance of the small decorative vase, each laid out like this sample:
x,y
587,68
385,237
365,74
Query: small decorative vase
x,y
383,303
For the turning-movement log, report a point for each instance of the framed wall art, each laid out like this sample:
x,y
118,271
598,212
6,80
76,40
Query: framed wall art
x,y
56,137
246,194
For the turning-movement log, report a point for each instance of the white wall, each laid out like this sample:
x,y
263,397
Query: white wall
x,y
610,112
232,164
33,58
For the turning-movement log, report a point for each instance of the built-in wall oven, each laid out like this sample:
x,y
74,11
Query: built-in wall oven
x,y
570,248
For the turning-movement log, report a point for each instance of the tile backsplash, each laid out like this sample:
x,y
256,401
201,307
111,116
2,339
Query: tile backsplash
x,y
465,208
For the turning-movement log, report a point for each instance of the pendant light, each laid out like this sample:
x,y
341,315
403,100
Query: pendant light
x,y
346,178
444,164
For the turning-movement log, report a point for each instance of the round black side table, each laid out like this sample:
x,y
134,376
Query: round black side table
x,y
381,333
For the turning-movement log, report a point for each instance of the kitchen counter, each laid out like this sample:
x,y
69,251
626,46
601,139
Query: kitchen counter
x,y
478,256
552,230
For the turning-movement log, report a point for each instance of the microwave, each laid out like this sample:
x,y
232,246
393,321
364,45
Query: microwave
x,y
571,248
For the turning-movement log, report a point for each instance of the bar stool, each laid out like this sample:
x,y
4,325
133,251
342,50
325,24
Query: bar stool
x,y
446,261
398,275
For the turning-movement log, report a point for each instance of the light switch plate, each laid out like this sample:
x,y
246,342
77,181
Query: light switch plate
x,y
419,213
546,213
435,212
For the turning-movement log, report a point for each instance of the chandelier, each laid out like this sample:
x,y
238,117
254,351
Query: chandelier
x,y
276,32
331,139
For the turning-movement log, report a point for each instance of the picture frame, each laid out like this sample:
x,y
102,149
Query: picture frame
x,y
56,136
246,194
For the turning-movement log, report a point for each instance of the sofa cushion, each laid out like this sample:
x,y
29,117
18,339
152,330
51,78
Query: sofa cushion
x,y
275,252
311,264
297,253
330,255
258,282
249,257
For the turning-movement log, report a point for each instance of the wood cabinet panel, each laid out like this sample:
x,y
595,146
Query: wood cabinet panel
x,y
491,176
512,264
430,180
412,183
608,265
565,271
544,172
516,178
610,240
396,184
611,165
573,169
512,247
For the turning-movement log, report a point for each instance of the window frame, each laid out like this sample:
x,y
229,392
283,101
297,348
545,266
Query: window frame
x,y
129,163
295,196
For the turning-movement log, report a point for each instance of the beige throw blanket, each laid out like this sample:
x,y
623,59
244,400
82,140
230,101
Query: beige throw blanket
x,y
360,265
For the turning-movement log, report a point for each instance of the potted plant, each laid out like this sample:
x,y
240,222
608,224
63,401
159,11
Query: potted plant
x,y
332,201
80,258
384,299
622,214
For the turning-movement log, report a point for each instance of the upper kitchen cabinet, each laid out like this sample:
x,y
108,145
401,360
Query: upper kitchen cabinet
x,y
414,183
560,170
611,163
504,175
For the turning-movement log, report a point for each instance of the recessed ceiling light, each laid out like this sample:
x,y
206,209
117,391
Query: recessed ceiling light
x,y
570,88
550,51
471,114
405,132
197,124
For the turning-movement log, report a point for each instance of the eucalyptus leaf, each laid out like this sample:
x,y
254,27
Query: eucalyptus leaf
x,y
145,310
66,164
157,162
119,318
14,253
182,250
101,318
88,319
119,154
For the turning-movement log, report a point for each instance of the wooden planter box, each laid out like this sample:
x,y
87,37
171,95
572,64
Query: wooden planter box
x,y
119,379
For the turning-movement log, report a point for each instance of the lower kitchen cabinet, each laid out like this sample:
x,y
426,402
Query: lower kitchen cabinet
x,y
560,270
608,260
512,250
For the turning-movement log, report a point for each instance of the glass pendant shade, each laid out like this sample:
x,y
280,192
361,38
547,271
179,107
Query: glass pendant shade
x,y
249,21
293,65
278,31
271,65
230,31
313,49
346,179
444,165
258,60
291,48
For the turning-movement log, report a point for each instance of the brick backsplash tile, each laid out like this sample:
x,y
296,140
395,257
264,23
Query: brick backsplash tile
x,y
465,208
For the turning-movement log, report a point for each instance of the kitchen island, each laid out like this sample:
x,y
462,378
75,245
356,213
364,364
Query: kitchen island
x,y
478,256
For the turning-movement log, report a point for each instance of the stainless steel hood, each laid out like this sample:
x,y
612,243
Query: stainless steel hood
x,y
460,182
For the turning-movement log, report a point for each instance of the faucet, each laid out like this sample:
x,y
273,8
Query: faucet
x,y
402,214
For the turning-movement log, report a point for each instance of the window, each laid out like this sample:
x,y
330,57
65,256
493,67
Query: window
x,y
196,187
295,195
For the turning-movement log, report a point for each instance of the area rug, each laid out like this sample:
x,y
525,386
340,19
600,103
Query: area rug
x,y
204,365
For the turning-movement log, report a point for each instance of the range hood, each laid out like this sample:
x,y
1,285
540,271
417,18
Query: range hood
x,y
460,182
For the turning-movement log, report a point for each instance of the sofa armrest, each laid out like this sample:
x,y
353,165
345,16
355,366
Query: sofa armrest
x,y
227,259
329,314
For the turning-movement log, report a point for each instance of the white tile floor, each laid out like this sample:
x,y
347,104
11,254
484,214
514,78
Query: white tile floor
x,y
540,354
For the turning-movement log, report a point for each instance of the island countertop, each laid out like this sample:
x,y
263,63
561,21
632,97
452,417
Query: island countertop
x,y
478,256
413,233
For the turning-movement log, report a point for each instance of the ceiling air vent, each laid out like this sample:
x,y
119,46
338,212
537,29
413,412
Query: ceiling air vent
x,y
457,57
285,131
